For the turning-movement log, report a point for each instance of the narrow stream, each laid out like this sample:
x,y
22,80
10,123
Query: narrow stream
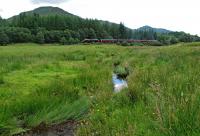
x,y
118,83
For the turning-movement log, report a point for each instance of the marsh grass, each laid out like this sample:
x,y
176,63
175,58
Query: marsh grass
x,y
121,72
1,80
52,84
53,103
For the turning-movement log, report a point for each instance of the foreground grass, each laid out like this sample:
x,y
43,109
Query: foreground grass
x,y
52,84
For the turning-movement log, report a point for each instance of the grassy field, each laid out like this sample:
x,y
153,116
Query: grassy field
x,y
51,84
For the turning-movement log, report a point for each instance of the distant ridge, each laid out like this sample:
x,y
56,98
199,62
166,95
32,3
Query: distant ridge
x,y
158,30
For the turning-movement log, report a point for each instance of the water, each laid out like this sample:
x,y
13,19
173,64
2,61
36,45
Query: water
x,y
119,84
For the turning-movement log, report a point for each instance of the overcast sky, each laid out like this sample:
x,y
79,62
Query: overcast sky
x,y
170,14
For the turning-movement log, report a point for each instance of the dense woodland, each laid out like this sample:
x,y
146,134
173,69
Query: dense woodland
x,y
71,29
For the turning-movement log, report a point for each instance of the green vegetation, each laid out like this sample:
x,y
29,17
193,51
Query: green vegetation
x,y
121,71
54,25
51,84
3,38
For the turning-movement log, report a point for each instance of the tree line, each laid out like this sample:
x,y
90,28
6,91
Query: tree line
x,y
58,29
71,29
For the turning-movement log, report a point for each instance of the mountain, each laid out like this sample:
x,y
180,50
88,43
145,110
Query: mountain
x,y
52,11
45,11
158,30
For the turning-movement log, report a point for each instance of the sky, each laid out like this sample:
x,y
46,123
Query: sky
x,y
176,15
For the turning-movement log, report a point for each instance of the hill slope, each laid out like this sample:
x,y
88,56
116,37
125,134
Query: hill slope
x,y
45,11
158,30
51,11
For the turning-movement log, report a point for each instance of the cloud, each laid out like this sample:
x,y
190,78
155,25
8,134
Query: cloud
x,y
1,10
48,1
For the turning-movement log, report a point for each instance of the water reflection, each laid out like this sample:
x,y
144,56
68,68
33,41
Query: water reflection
x,y
119,84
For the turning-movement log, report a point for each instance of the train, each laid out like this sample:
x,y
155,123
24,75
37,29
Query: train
x,y
117,41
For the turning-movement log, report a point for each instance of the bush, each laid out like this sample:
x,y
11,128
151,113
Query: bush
x,y
156,43
124,43
136,44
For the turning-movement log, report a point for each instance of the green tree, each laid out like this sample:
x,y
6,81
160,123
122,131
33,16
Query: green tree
x,y
122,31
18,35
91,34
53,36
63,41
76,40
40,38
1,21
67,34
3,38
82,34
71,41
173,40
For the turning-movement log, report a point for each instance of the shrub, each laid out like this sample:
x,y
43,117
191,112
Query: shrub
x,y
156,43
124,43
136,44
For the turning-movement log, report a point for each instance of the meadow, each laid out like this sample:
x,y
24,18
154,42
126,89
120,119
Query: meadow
x,y
50,84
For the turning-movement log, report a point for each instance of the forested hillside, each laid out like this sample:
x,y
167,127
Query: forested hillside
x,y
54,25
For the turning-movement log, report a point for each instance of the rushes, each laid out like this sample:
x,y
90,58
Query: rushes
x,y
51,84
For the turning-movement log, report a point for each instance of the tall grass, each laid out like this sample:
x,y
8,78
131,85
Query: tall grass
x,y
1,80
50,104
52,84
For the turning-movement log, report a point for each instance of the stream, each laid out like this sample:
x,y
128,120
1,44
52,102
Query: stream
x,y
119,84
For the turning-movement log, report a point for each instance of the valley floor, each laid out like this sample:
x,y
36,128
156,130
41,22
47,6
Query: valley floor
x,y
50,84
